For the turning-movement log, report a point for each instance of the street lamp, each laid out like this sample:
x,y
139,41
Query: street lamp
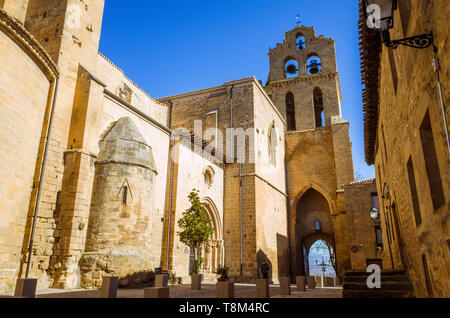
x,y
374,214
380,15
323,265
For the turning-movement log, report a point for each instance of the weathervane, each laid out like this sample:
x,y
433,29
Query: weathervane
x,y
297,17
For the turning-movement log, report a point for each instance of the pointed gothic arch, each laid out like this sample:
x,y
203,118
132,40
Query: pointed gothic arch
x,y
319,189
212,252
311,204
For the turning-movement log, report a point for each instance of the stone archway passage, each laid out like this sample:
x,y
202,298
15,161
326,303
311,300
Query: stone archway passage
x,y
319,252
311,208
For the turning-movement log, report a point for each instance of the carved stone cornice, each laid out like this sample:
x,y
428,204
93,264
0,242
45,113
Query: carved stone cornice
x,y
15,30
305,78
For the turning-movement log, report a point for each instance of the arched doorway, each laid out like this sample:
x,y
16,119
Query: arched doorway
x,y
321,259
313,223
212,252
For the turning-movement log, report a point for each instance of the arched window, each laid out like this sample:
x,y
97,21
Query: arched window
x,y
318,108
313,65
272,140
301,42
208,176
291,68
317,226
124,195
290,111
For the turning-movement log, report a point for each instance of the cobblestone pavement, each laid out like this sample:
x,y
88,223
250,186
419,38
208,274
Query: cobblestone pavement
x,y
207,291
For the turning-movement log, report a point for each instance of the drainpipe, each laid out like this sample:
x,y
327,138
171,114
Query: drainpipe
x,y
288,214
241,227
437,68
41,177
172,146
231,122
170,115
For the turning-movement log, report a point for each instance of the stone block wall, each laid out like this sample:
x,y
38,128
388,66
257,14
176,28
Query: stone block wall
x,y
407,95
15,8
28,79
194,171
244,104
361,228
119,235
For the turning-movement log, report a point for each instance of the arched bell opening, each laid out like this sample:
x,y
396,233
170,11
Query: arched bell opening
x,y
313,65
291,69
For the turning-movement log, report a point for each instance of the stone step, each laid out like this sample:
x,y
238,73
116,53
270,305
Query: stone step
x,y
397,278
384,272
385,286
376,294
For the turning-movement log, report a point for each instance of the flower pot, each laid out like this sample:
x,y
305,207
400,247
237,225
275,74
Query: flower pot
x,y
222,280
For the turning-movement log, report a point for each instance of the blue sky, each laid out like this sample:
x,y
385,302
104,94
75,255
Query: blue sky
x,y
170,47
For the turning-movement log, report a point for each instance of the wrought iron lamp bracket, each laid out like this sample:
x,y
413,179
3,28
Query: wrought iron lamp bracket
x,y
421,41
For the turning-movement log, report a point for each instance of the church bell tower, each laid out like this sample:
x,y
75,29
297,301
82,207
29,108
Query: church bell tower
x,y
304,85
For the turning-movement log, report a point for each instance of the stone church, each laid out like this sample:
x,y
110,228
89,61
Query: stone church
x,y
94,177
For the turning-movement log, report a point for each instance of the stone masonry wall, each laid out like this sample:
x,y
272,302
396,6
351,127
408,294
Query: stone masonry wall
x,y
69,44
119,234
15,8
245,104
26,90
361,228
189,174
407,94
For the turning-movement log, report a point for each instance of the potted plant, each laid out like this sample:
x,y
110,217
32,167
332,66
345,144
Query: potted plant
x,y
172,278
195,231
222,271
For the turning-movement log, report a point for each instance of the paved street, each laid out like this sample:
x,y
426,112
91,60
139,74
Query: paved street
x,y
208,291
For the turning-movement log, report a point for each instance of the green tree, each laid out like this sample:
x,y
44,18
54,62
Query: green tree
x,y
195,226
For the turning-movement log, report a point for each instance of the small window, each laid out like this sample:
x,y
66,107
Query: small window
x,y
290,111
273,145
431,162
375,203
384,143
393,68
413,191
124,195
388,227
392,225
208,176
318,108
379,236
405,14
317,226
